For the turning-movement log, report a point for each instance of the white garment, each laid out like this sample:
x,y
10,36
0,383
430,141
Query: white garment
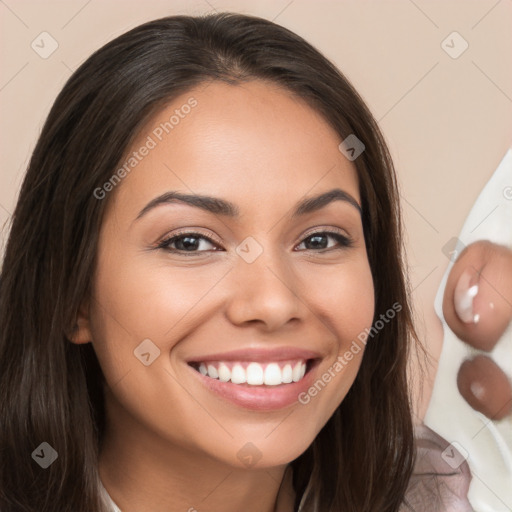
x,y
108,500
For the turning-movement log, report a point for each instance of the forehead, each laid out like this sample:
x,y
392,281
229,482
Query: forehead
x,y
251,142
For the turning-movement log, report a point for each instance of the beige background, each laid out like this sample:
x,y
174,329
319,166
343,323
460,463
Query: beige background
x,y
447,121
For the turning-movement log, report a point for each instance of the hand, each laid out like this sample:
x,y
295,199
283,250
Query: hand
x,y
477,306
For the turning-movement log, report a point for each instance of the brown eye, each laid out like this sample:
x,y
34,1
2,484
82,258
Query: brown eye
x,y
320,240
485,387
187,243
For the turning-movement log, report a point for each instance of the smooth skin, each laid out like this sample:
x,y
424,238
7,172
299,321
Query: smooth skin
x,y
171,445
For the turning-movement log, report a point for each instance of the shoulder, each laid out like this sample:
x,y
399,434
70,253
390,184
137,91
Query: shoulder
x,y
441,476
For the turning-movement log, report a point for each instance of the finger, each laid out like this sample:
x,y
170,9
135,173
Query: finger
x,y
477,302
485,387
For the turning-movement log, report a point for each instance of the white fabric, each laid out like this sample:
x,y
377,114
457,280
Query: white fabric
x,y
108,500
488,443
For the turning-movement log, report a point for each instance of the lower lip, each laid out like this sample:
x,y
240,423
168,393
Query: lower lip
x,y
259,398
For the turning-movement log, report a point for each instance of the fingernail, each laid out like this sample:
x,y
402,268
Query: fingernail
x,y
478,390
464,295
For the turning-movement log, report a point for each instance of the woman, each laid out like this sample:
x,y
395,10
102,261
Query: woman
x,y
203,303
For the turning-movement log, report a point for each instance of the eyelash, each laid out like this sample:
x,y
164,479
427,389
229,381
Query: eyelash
x,y
343,242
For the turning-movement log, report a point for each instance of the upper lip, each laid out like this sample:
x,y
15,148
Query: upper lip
x,y
258,355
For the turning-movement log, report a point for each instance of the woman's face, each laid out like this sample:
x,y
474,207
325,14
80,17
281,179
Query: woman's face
x,y
254,293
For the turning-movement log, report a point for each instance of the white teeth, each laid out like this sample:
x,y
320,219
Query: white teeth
x,y
224,373
238,375
297,372
212,372
287,374
255,374
272,375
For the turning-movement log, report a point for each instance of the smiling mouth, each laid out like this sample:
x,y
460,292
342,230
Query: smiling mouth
x,y
252,373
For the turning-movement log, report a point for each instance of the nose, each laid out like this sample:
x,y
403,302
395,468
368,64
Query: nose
x,y
265,291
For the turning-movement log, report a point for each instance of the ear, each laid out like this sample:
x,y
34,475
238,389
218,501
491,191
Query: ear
x,y
81,332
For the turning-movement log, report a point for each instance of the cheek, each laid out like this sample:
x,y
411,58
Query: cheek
x,y
136,301
344,298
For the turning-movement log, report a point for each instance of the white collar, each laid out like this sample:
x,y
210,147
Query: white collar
x,y
108,500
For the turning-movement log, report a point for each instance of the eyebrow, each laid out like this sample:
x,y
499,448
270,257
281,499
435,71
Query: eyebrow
x,y
220,206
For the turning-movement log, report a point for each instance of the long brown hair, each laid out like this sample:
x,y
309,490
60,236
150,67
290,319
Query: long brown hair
x,y
51,389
